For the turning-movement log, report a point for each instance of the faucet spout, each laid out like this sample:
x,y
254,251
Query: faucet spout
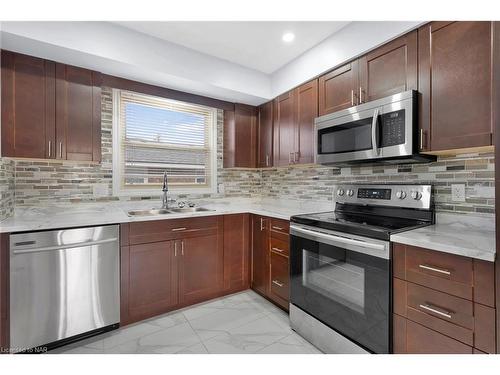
x,y
164,199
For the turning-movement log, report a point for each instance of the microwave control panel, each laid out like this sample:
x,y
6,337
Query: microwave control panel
x,y
392,128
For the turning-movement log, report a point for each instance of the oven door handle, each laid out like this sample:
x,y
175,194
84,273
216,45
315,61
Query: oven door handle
x,y
380,250
374,132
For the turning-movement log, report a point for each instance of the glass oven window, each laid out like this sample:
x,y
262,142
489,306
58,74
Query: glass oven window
x,y
335,279
350,137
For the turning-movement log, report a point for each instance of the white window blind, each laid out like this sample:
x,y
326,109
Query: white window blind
x,y
158,135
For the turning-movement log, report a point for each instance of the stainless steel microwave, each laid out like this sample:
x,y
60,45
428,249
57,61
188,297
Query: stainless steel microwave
x,y
384,130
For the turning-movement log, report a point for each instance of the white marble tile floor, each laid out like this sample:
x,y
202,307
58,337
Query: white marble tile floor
x,y
239,323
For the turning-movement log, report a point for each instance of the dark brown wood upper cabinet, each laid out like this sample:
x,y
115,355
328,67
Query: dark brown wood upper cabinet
x,y
338,89
284,129
294,114
240,137
28,106
78,113
265,135
306,111
49,110
457,61
389,69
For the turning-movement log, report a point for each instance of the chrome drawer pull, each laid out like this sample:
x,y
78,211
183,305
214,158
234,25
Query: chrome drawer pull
x,y
178,229
446,314
277,228
278,250
444,272
276,282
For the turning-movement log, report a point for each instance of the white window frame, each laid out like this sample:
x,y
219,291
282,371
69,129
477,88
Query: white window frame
x,y
117,160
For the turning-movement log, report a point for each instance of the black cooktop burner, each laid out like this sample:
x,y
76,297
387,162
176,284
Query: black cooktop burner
x,y
363,224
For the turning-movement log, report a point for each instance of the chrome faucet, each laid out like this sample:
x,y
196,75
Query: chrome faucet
x,y
164,198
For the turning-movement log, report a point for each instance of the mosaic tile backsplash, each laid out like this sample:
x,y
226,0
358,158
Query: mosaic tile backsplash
x,y
42,182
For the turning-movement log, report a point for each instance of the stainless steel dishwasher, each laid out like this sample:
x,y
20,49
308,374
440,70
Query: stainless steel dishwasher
x,y
64,285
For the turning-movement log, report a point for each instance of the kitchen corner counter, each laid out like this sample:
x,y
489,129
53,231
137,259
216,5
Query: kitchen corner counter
x,y
464,235
94,214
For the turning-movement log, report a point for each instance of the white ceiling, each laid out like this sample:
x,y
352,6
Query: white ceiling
x,y
256,45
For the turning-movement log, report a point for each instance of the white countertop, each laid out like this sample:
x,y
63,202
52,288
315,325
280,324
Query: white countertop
x,y
466,235
86,214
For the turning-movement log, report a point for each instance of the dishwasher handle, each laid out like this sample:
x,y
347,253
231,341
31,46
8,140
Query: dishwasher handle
x,y
64,247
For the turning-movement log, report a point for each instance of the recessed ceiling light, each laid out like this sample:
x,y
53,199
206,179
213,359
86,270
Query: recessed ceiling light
x,y
288,37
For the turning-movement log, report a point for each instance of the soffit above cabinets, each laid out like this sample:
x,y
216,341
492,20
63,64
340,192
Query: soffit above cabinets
x,y
177,56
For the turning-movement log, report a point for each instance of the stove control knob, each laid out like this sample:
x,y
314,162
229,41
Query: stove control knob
x,y
416,195
401,194
350,192
340,192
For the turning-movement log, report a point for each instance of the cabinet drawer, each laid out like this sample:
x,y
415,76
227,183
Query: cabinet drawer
x,y
279,276
413,338
280,246
444,272
280,229
168,229
439,311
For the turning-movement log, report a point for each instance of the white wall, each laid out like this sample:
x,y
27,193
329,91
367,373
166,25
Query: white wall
x,y
116,50
349,42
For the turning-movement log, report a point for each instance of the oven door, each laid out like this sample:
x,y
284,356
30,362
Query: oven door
x,y
344,282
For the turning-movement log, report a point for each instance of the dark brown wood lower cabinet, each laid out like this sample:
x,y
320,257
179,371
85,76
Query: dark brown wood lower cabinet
x,y
260,256
270,263
151,284
4,292
161,276
236,252
201,267
413,338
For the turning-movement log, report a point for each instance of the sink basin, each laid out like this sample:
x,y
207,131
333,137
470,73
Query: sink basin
x,y
189,209
152,212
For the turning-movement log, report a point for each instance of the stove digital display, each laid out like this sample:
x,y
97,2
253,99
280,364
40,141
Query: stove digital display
x,y
374,193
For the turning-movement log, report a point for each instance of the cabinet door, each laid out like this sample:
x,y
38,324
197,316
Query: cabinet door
x,y
240,133
201,267
306,111
78,113
265,145
28,106
236,252
260,257
149,272
284,129
455,79
389,69
279,279
338,89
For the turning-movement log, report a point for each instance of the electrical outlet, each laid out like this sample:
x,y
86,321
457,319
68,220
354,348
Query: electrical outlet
x,y
220,188
458,192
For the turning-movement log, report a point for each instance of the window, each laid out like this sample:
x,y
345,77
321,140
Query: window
x,y
152,135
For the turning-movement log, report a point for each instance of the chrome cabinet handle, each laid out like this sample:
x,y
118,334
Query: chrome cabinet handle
x,y
267,160
178,229
276,282
50,149
433,309
182,248
175,248
277,228
60,150
352,97
434,269
261,224
360,95
374,132
421,139
277,249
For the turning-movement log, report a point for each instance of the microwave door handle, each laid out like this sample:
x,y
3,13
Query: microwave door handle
x,y
374,132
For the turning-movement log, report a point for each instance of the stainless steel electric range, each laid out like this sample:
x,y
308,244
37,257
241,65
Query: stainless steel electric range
x,y
340,265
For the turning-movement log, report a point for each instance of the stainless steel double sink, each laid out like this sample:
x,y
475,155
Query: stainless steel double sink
x,y
165,211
